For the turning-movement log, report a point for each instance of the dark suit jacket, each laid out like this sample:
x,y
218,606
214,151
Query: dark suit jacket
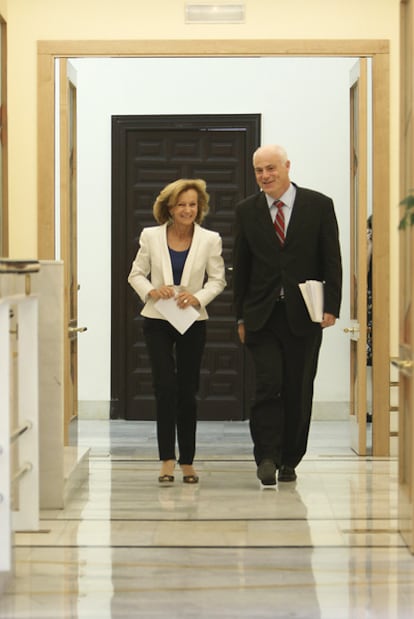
x,y
261,267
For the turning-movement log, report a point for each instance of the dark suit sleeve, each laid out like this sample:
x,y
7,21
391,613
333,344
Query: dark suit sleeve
x,y
331,261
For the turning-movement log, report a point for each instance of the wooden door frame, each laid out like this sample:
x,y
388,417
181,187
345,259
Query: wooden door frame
x,y
406,375
358,247
65,232
378,50
67,135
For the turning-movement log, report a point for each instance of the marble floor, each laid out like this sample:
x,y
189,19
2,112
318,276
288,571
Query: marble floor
x,y
325,547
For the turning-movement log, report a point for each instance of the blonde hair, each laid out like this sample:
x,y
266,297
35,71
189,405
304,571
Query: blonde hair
x,y
168,197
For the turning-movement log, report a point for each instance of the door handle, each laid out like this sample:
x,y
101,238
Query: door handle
x,y
402,364
353,330
73,330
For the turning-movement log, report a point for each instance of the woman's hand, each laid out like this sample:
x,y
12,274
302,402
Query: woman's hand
x,y
163,292
185,299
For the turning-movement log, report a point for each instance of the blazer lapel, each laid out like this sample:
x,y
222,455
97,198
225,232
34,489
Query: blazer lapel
x,y
185,277
296,222
264,220
165,256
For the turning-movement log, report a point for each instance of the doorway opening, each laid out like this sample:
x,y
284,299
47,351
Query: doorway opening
x,y
378,51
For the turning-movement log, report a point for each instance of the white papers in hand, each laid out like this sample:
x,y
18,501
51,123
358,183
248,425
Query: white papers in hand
x,y
312,292
181,319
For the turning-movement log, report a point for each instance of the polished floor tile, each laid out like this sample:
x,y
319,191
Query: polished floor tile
x,y
325,547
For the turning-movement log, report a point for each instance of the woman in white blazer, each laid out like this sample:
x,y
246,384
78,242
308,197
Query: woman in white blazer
x,y
177,260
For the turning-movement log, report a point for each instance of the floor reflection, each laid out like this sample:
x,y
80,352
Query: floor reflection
x,y
325,547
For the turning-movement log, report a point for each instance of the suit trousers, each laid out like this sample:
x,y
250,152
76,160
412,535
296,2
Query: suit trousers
x,y
285,367
175,363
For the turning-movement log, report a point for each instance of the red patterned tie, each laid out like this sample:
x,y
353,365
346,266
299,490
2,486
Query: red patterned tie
x,y
279,222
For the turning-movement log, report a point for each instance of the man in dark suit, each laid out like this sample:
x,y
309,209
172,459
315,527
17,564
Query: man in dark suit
x,y
284,235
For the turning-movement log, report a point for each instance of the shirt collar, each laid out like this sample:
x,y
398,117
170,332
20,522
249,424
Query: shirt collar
x,y
287,198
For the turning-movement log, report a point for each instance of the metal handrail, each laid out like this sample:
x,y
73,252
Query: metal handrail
x,y
19,487
19,431
26,468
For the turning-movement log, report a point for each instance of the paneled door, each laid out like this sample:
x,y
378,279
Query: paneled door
x,y
405,360
147,153
357,329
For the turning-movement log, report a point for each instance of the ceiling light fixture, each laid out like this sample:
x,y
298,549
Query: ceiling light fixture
x,y
214,13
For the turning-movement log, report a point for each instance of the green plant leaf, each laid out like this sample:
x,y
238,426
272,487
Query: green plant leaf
x,y
408,216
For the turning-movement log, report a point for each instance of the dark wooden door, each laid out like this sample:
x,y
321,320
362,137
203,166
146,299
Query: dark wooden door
x,y
147,153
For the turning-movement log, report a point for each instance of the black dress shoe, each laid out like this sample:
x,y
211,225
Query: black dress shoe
x,y
286,473
266,472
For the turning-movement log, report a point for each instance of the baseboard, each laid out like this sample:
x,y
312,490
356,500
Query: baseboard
x,y
4,579
323,411
76,469
330,411
93,409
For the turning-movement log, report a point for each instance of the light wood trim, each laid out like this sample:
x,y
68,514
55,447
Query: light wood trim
x,y
46,158
65,236
406,390
381,255
223,47
361,267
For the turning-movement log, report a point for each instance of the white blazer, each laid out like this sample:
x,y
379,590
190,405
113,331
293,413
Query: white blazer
x,y
152,268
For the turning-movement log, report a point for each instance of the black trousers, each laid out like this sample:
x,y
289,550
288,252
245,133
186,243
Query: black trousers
x,y
175,363
285,367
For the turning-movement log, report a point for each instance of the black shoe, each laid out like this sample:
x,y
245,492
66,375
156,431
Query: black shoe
x,y
266,472
286,473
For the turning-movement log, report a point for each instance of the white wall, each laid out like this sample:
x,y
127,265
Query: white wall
x,y
304,106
